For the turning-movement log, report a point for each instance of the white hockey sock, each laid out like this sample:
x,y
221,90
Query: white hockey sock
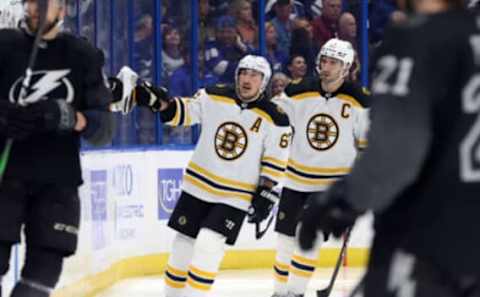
x,y
207,255
176,271
285,248
303,266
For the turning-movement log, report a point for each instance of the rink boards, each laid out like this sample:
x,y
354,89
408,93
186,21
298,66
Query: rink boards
x,y
127,198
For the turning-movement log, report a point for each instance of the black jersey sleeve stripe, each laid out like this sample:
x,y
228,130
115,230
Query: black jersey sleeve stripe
x,y
214,184
199,279
273,166
302,266
181,120
309,175
175,278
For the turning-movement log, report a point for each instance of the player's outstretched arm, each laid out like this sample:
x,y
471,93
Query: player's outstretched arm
x,y
174,111
155,98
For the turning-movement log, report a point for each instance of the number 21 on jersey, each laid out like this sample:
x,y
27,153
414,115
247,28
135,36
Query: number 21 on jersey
x,y
470,145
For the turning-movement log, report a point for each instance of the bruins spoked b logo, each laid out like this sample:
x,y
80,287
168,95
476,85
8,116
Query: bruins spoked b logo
x,y
322,132
230,141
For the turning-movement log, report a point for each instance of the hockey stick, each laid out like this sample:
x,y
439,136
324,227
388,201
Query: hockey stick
x,y
42,12
326,292
259,233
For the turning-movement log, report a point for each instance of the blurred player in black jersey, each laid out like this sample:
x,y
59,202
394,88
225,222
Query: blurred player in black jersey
x,y
421,172
67,99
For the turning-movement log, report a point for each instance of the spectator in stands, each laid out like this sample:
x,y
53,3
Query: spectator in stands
x,y
313,8
143,53
283,25
305,24
222,55
325,26
347,29
302,44
275,57
246,28
297,67
220,7
172,51
379,16
279,83
180,83
206,28
298,9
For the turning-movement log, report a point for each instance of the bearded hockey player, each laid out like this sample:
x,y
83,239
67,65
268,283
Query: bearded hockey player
x,y
67,99
330,120
240,156
421,171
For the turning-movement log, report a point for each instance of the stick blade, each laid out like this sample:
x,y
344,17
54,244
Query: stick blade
x,y
324,292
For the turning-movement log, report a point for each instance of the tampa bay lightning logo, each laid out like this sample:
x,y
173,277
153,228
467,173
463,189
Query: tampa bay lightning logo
x,y
46,84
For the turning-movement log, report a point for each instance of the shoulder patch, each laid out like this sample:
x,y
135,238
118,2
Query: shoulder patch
x,y
308,84
359,94
276,113
221,90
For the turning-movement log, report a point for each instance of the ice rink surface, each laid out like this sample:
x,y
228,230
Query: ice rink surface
x,y
240,283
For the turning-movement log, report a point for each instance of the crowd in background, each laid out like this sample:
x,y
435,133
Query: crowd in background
x,y
294,33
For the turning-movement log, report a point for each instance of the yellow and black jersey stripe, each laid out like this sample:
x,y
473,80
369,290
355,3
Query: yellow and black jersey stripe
x,y
362,144
180,114
262,107
273,167
281,271
314,175
175,278
199,279
302,266
222,99
310,88
217,185
349,99
176,113
306,95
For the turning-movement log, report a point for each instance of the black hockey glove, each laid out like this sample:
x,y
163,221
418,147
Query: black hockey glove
x,y
150,96
53,115
328,212
116,87
15,121
262,203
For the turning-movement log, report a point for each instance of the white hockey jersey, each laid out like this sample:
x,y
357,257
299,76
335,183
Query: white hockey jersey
x,y
329,129
238,143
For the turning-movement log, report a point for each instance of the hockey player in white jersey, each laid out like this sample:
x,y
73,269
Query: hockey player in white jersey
x,y
330,120
241,155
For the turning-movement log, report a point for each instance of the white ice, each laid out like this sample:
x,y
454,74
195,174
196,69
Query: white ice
x,y
240,283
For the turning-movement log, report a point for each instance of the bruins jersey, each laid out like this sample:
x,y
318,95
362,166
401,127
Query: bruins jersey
x,y
239,143
329,129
